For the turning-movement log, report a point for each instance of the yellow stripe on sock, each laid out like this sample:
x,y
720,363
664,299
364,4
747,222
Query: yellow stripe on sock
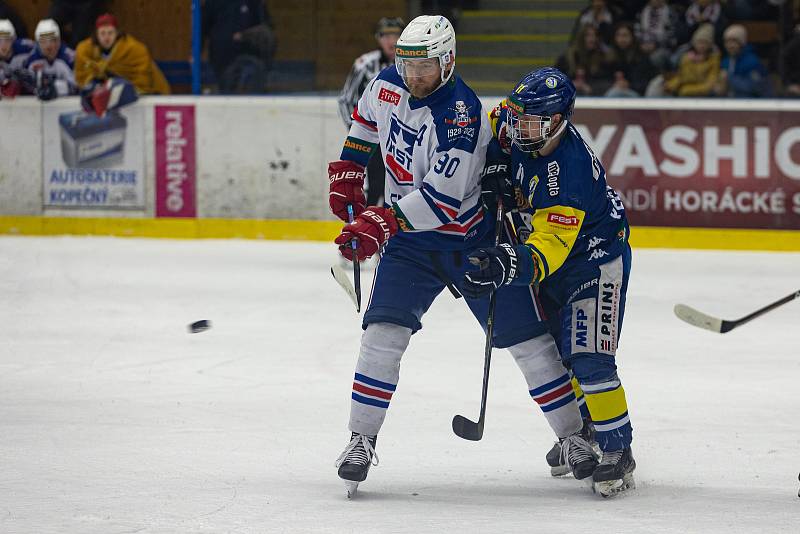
x,y
576,387
606,405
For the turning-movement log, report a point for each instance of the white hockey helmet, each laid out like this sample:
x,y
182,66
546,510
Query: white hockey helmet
x,y
427,36
7,30
47,29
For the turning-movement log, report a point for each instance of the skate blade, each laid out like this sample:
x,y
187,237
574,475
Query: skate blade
x,y
351,487
559,471
609,488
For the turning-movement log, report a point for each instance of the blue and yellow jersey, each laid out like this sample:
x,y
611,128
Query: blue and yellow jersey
x,y
577,219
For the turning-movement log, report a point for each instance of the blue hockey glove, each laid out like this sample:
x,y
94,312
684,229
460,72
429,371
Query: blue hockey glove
x,y
496,183
497,266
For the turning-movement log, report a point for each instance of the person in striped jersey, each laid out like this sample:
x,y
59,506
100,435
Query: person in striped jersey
x,y
433,133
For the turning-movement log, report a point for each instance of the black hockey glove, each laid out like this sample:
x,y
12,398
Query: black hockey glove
x,y
496,183
47,88
26,80
497,266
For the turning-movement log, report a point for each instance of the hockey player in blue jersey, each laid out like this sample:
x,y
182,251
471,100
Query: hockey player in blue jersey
x,y
577,253
433,134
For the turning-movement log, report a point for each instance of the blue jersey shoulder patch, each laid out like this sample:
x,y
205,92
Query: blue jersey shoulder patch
x,y
458,119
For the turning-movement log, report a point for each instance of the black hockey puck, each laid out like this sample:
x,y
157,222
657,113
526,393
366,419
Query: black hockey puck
x,y
199,326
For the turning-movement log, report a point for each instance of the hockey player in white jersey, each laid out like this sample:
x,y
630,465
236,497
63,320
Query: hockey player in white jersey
x,y
433,133
51,62
10,47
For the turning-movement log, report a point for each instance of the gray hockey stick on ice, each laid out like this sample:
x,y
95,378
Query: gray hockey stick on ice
x,y
715,324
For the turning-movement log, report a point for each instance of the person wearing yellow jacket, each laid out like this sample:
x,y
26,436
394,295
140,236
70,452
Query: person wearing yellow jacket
x,y
699,66
110,52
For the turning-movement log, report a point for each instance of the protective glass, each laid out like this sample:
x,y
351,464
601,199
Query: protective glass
x,y
528,132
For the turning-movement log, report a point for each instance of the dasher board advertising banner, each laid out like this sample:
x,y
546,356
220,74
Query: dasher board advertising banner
x,y
700,168
91,161
176,161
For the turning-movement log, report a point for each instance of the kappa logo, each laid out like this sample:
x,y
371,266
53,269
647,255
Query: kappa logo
x,y
562,220
389,96
593,242
597,254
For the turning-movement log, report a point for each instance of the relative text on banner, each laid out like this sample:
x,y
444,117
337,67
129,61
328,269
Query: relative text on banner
x,y
176,161
91,161
716,169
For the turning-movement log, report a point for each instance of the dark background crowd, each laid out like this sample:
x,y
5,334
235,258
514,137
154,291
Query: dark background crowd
x,y
617,48
697,48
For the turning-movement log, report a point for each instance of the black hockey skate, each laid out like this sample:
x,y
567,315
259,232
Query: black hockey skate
x,y
558,462
355,461
614,475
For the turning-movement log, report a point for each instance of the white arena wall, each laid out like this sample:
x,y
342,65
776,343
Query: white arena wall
x,y
260,162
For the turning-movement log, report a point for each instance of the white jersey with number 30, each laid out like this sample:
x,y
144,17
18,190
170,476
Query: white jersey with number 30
x,y
434,149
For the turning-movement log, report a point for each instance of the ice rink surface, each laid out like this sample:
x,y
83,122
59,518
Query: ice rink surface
x,y
114,419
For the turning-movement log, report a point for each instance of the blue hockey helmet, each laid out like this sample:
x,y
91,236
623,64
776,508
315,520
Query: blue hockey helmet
x,y
533,102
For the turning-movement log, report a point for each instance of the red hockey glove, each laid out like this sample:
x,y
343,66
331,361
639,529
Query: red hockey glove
x,y
371,229
346,187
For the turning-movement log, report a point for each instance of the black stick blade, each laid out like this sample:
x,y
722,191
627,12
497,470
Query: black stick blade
x,y
466,429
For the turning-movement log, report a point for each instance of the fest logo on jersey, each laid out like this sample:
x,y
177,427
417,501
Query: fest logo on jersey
x,y
400,149
389,96
559,219
460,123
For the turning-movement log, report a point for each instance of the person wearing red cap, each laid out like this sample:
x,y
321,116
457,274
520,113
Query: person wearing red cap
x,y
110,52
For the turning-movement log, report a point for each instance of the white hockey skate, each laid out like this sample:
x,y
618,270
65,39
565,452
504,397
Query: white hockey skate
x,y
355,461
614,475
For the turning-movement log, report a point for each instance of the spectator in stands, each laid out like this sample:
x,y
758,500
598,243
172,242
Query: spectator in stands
x,y
657,31
742,75
626,10
704,12
598,16
365,68
631,67
50,65
6,12
241,43
699,66
587,63
110,52
791,65
76,17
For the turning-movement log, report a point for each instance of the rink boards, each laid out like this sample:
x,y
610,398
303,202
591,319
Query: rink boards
x,y
693,173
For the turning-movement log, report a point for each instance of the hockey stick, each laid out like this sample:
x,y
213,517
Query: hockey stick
x,y
463,427
356,265
715,324
341,277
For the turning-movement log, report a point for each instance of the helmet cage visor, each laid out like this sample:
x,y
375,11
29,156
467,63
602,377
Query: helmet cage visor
x,y
529,133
